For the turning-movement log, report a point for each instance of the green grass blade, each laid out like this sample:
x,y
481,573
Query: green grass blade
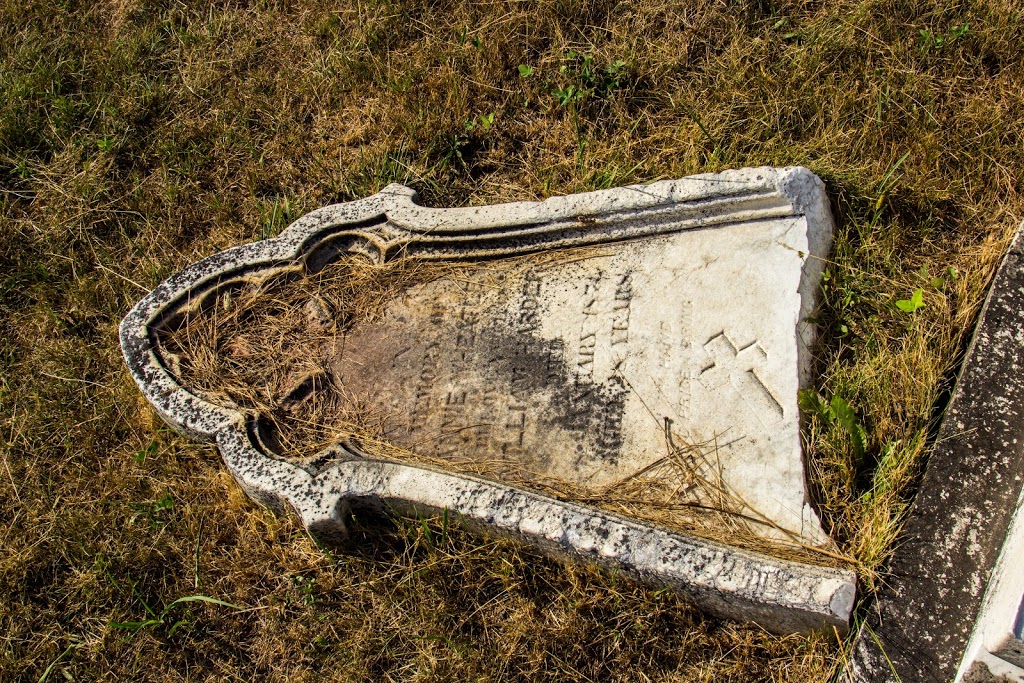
x,y
201,598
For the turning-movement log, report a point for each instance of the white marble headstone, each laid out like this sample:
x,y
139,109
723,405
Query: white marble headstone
x,y
684,322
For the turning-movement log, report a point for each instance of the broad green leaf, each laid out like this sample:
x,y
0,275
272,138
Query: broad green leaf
x,y
915,302
812,404
846,417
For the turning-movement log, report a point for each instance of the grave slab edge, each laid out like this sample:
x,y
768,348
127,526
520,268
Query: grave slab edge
x,y
781,596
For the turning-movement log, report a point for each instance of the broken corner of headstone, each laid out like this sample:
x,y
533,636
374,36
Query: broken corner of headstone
x,y
611,376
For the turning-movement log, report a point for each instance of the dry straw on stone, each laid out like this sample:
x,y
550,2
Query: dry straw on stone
x,y
262,346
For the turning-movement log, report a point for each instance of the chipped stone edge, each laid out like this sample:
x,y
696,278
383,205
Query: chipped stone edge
x,y
779,595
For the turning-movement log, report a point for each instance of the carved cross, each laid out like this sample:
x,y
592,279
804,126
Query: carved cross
x,y
736,367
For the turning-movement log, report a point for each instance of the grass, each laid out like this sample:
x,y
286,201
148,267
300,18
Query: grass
x,y
135,139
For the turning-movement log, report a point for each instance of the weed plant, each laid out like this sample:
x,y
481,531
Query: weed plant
x,y
136,138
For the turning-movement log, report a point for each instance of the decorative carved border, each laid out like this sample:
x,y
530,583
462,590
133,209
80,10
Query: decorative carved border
x,y
780,595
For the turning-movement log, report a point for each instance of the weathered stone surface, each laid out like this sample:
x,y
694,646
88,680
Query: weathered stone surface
x,y
571,370
689,318
925,613
1010,647
995,643
981,671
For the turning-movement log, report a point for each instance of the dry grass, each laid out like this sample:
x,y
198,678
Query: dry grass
x,y
136,139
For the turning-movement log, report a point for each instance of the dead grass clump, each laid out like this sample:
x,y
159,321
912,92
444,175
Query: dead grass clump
x,y
246,343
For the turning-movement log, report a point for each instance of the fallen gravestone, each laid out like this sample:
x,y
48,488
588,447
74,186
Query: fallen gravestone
x,y
950,607
611,375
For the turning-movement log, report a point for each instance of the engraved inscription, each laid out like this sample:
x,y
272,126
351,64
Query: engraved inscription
x,y
584,372
620,310
487,386
602,345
